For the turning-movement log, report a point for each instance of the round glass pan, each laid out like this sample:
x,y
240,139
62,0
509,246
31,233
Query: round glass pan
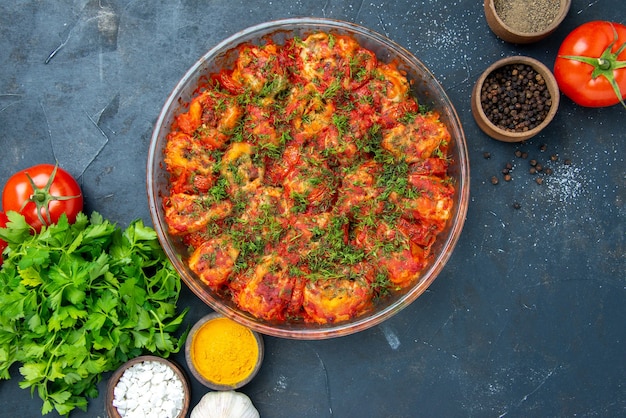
x,y
425,88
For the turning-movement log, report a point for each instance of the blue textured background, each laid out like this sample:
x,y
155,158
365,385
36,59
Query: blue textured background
x,y
527,319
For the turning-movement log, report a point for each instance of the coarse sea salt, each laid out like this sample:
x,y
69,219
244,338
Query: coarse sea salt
x,y
149,389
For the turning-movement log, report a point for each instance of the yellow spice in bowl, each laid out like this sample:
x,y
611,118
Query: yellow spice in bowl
x,y
224,352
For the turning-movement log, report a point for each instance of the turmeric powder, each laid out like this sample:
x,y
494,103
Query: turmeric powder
x,y
224,352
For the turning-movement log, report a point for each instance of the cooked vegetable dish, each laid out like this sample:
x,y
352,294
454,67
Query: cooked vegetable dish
x,y
306,181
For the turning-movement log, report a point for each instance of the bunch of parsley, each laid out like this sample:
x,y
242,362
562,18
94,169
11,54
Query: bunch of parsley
x,y
78,300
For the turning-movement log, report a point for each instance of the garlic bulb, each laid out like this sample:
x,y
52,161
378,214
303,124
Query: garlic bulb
x,y
225,404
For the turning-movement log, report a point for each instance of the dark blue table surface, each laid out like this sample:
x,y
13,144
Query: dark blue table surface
x,y
528,318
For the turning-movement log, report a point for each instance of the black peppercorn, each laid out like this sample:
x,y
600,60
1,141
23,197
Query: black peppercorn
x,y
515,98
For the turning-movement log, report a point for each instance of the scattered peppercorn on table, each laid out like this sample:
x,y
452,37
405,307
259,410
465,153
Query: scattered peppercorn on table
x,y
527,317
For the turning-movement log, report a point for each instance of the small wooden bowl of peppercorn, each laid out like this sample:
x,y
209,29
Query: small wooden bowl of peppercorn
x,y
523,21
515,98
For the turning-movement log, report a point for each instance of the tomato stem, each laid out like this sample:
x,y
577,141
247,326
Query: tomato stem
x,y
41,197
605,65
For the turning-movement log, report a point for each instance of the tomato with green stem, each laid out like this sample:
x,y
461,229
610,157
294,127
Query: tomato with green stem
x,y
42,193
590,67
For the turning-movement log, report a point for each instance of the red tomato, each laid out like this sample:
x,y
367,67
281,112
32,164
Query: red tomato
x,y
3,223
591,64
41,194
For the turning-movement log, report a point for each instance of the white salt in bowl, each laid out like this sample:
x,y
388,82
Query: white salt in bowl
x,y
151,382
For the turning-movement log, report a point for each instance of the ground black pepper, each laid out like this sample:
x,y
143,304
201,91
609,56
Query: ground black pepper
x,y
527,16
515,98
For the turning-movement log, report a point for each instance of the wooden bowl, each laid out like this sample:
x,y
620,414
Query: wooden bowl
x,y
113,412
509,34
206,380
497,132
